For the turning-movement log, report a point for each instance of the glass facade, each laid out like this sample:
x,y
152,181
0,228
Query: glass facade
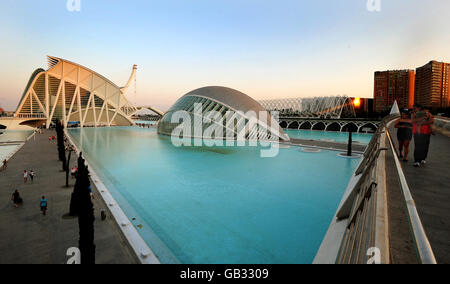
x,y
211,119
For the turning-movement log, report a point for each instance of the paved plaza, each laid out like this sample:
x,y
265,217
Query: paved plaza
x,y
28,237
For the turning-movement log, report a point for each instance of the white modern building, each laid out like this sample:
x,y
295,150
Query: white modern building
x,y
73,94
318,107
221,113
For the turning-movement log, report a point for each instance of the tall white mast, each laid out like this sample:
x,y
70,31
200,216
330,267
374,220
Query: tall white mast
x,y
133,76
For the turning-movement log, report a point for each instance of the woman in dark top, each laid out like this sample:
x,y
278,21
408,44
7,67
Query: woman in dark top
x,y
404,134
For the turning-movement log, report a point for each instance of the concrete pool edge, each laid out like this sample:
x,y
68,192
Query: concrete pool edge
x,y
331,147
142,251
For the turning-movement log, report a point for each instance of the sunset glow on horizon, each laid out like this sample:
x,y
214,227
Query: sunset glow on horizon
x,y
266,49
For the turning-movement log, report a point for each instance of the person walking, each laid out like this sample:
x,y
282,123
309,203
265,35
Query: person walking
x,y
44,204
31,174
404,134
5,164
422,130
25,176
16,199
74,172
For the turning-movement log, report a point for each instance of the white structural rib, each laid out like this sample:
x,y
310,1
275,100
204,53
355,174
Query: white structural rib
x,y
133,75
70,92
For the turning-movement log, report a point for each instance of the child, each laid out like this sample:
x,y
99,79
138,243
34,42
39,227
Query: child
x,y
44,203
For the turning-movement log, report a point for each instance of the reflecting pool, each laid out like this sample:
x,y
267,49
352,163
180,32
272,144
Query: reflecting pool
x,y
14,135
340,137
218,205
10,141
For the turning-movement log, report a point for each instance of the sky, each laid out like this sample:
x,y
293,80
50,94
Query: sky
x,y
265,48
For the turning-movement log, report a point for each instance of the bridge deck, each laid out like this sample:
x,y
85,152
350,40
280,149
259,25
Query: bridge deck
x,y
430,187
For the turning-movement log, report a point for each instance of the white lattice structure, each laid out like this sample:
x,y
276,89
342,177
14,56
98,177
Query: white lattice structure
x,y
150,108
70,92
318,107
223,113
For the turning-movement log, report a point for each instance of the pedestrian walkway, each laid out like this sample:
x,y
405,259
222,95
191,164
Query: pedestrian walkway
x,y
28,237
430,187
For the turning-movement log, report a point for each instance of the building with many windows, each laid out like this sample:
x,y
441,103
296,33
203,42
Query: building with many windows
x,y
432,85
391,86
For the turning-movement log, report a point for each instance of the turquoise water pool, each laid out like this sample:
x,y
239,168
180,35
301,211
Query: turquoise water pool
x,y
6,150
218,205
14,140
340,137
14,135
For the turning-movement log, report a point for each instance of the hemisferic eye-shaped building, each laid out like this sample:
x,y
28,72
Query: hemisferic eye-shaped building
x,y
220,113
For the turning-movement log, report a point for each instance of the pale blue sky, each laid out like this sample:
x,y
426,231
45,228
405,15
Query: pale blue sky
x,y
265,48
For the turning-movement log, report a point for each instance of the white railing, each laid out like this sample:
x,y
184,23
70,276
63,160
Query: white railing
x,y
360,208
37,115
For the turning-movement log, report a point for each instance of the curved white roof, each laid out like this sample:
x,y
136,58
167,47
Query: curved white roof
x,y
68,91
231,97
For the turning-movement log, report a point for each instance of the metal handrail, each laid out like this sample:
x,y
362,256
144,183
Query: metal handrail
x,y
360,207
421,242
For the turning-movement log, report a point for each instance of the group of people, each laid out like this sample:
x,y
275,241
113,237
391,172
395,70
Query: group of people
x,y
17,200
16,197
27,174
417,124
